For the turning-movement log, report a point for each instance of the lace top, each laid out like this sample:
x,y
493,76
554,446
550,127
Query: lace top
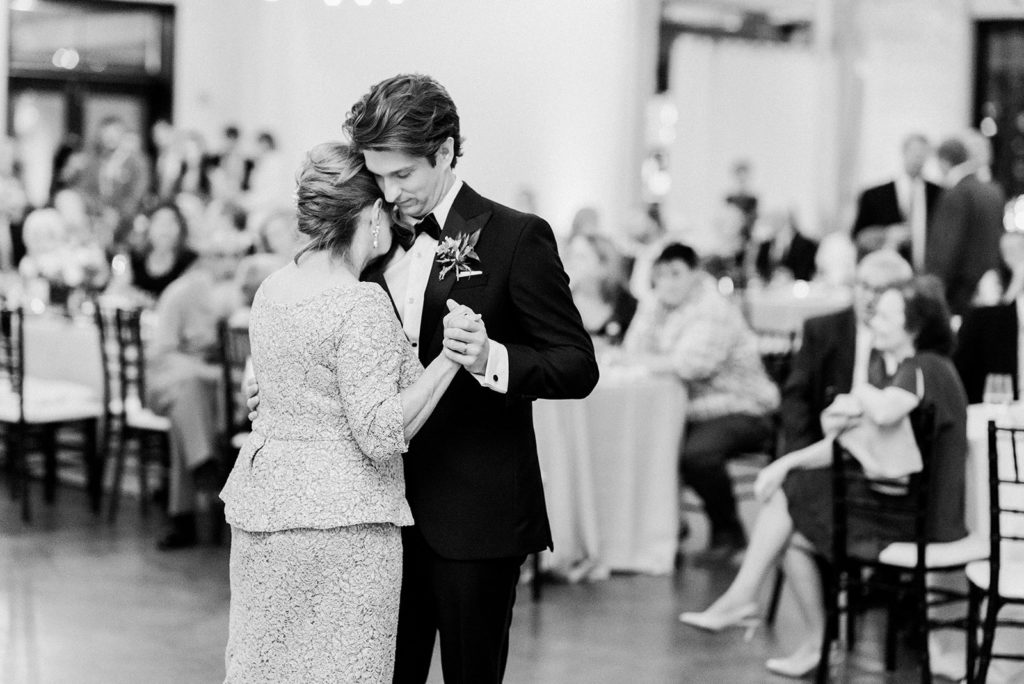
x,y
324,449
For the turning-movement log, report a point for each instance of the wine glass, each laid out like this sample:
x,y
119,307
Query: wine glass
x,y
998,391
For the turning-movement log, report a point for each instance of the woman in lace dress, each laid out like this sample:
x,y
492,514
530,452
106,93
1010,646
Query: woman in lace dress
x,y
316,497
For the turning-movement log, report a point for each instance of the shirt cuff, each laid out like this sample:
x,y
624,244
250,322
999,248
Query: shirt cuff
x,y
495,376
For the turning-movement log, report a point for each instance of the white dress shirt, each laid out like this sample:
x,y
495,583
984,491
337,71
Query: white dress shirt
x,y
406,277
910,193
862,355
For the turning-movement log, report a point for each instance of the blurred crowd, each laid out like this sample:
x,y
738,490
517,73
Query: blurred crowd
x,y
187,232
131,217
934,283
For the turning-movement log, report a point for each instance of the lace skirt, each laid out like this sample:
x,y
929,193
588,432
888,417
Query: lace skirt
x,y
314,605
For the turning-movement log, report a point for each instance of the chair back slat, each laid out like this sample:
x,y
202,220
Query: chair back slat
x,y
899,503
121,346
1006,492
12,354
235,351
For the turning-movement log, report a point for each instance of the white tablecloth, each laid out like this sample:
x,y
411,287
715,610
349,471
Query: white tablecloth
x,y
610,475
57,348
786,309
977,464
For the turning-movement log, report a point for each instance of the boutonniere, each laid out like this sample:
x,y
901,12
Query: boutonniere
x,y
459,254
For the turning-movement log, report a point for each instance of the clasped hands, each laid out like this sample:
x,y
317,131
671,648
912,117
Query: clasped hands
x,y
465,337
465,342
842,414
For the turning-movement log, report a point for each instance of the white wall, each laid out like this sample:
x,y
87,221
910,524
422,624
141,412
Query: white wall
x,y
755,101
550,94
820,122
5,17
915,71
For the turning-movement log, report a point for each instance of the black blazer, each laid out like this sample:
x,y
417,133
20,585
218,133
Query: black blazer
x,y
472,475
880,206
798,258
822,368
987,343
963,238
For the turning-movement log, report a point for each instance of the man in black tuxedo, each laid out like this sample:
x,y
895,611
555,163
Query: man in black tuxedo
x,y
835,351
963,237
472,475
897,214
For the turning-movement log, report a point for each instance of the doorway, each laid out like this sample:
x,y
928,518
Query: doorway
x,y
75,63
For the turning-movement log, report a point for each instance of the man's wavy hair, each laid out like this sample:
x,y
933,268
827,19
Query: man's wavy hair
x,y
408,113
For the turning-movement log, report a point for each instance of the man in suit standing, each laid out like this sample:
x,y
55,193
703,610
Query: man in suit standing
x,y
472,476
835,351
963,238
897,214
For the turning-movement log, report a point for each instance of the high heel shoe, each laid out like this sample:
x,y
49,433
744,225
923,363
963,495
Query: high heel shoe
x,y
743,616
797,666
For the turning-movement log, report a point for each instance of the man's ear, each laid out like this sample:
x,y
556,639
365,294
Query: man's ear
x,y
446,150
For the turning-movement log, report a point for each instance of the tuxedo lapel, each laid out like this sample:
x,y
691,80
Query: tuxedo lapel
x,y
469,213
846,351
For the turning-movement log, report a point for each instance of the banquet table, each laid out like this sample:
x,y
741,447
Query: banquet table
x,y
610,472
785,308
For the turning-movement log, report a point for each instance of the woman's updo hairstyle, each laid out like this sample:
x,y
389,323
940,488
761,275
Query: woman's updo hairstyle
x,y
333,188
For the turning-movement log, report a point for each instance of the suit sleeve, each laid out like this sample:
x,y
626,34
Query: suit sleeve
x,y
949,230
800,420
863,220
553,357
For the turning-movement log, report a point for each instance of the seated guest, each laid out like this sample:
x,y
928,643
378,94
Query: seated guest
x,y
64,261
72,207
164,255
252,270
598,287
182,384
1005,283
989,339
835,262
278,234
690,330
45,235
911,333
779,249
835,349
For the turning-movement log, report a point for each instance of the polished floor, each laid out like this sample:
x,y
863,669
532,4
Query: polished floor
x,y
83,601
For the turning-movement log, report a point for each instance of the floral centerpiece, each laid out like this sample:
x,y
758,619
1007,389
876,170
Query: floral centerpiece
x,y
65,270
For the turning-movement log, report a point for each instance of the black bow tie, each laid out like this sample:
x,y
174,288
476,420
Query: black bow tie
x,y
429,226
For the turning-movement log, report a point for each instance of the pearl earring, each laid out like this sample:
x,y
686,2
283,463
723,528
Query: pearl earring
x,y
376,231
